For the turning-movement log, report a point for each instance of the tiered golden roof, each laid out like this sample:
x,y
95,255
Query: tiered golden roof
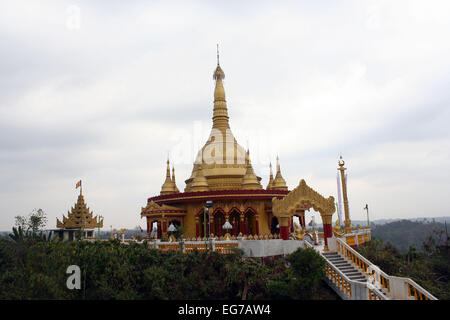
x,y
79,217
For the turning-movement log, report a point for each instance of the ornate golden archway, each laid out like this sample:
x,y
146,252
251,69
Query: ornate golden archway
x,y
303,197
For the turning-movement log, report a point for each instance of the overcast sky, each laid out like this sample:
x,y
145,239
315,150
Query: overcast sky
x,y
104,91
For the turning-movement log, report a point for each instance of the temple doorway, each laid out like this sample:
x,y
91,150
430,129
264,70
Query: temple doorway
x,y
219,221
235,222
156,225
249,223
274,226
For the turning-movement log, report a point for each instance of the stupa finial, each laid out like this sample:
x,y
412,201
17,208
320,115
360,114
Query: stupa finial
x,y
217,54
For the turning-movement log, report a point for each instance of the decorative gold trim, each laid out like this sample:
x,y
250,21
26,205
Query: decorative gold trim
x,y
300,197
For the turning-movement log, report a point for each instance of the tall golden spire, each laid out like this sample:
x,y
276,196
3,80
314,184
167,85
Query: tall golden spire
x,y
279,183
220,114
221,161
270,184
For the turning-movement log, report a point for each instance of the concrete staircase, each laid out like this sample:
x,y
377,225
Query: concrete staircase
x,y
349,282
345,267
353,277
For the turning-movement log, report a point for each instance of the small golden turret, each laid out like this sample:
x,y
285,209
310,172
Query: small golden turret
x,y
270,184
199,183
250,181
173,180
168,185
279,183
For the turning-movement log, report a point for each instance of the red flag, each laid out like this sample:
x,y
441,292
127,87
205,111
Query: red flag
x,y
78,184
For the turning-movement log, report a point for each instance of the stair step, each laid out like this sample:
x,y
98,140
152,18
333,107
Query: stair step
x,y
352,273
339,262
346,270
352,276
345,266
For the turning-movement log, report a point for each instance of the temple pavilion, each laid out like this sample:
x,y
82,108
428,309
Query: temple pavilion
x,y
223,174
80,220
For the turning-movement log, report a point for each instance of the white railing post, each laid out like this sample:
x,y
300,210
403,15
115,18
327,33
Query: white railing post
x,y
332,245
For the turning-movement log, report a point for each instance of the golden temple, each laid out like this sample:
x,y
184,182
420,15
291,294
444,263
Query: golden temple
x,y
223,174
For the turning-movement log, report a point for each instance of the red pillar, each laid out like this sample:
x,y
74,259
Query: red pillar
x,y
257,225
164,226
148,228
327,232
284,232
197,227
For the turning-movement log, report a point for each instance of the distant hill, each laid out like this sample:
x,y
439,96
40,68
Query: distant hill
x,y
405,233
384,221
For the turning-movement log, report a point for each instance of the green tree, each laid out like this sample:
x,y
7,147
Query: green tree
x,y
35,221
303,273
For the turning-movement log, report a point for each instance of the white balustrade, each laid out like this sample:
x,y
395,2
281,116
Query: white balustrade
x,y
394,287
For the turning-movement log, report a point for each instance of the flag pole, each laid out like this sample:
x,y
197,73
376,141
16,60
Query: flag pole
x,y
367,208
99,217
82,215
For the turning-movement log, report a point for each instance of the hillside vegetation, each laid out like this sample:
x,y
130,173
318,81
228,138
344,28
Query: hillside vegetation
x,y
404,234
429,267
36,269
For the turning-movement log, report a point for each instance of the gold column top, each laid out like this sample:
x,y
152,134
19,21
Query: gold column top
x,y
341,163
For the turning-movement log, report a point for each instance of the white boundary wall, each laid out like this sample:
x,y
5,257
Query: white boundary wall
x,y
267,248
